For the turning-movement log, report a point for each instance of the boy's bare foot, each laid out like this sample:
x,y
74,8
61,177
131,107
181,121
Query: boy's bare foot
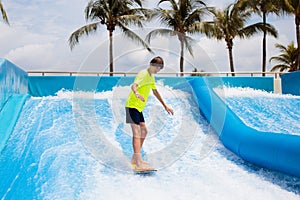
x,y
142,162
136,158
142,168
138,164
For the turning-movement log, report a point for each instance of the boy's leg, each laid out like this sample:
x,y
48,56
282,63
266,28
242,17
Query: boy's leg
x,y
136,144
143,129
143,137
137,141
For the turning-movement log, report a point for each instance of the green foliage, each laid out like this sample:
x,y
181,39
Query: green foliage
x,y
183,17
293,7
230,23
112,14
287,58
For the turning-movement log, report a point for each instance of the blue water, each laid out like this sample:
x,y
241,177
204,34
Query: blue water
x,y
264,111
77,146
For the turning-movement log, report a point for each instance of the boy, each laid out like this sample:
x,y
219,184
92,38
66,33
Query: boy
x,y
137,99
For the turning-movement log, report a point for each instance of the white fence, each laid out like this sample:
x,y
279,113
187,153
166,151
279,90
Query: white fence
x,y
66,73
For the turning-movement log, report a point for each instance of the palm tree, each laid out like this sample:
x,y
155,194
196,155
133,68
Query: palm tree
x,y
293,7
184,17
4,15
230,23
262,8
112,14
287,58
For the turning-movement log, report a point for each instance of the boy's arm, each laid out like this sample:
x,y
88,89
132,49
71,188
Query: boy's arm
x,y
135,91
157,95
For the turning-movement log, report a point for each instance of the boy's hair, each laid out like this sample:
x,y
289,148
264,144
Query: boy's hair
x,y
158,62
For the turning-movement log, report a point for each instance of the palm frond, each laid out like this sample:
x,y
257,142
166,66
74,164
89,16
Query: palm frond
x,y
198,2
287,58
201,27
134,3
281,58
188,41
280,68
281,47
146,13
131,19
196,16
97,10
166,16
135,38
291,6
85,30
259,27
159,32
4,15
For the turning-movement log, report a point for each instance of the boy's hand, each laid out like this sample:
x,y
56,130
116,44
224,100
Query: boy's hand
x,y
169,110
139,96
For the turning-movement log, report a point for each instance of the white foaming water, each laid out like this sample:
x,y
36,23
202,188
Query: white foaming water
x,y
56,139
226,92
263,110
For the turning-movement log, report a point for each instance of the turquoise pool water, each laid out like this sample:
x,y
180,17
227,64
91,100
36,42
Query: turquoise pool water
x,y
76,146
264,111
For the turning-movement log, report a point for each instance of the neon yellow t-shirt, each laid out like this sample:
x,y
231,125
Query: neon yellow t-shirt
x,y
145,83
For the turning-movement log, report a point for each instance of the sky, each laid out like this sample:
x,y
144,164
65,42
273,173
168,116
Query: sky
x,y
37,40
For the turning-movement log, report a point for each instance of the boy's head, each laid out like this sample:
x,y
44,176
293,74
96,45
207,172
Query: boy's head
x,y
157,62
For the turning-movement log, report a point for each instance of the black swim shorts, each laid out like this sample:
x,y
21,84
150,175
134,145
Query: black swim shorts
x,y
134,116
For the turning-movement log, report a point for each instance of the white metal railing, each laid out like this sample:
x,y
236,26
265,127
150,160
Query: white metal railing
x,y
72,73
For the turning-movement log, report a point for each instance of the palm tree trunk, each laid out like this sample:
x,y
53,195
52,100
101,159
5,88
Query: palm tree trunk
x,y
264,53
229,45
297,22
111,64
181,55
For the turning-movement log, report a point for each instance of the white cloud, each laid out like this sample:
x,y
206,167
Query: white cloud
x,y
12,37
33,55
